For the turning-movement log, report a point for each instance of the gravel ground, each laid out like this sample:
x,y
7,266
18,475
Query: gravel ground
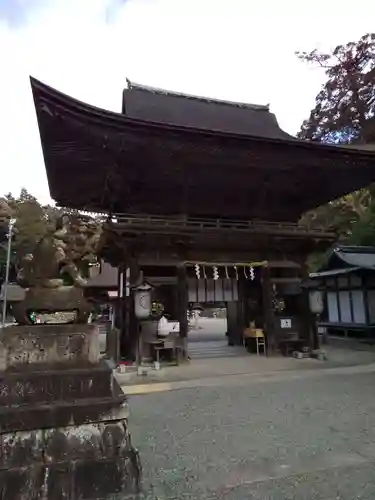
x,y
312,438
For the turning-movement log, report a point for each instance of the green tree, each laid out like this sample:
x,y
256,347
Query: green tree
x,y
31,223
344,107
344,115
5,214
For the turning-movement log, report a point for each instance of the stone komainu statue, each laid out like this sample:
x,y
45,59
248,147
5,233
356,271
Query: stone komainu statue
x,y
54,273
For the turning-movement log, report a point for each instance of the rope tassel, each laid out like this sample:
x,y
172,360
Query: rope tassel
x,y
252,273
197,271
215,273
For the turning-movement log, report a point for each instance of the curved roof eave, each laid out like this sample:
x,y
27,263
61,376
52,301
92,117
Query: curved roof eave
x,y
361,257
44,93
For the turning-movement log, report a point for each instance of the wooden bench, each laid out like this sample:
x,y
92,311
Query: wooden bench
x,y
256,334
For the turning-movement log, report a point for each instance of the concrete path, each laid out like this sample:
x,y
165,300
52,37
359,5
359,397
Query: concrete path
x,y
244,379
247,427
212,360
301,436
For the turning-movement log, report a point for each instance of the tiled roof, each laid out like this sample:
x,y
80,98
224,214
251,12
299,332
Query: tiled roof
x,y
173,108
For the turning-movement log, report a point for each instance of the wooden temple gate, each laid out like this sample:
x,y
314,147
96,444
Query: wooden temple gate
x,y
196,178
177,251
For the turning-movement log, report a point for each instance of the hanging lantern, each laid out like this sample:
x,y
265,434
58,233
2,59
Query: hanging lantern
x,y
142,300
316,301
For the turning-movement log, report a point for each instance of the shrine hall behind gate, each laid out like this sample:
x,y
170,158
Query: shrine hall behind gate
x,y
194,185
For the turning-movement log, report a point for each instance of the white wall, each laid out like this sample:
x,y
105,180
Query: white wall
x,y
358,307
340,301
332,305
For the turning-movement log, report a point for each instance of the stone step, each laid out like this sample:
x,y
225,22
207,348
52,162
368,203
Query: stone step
x,y
213,349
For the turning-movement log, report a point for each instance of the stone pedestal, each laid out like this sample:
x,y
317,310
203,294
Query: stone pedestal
x,y
63,418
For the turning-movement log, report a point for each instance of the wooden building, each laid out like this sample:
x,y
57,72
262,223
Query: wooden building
x,y
348,283
192,183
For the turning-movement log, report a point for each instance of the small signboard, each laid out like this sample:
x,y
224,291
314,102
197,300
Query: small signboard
x,y
286,323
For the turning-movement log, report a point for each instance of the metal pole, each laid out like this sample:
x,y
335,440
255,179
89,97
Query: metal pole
x,y
5,286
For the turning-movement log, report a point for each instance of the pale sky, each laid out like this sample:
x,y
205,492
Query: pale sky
x,y
239,50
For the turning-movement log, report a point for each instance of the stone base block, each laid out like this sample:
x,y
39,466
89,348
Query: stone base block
x,y
36,387
62,414
48,346
63,418
115,478
91,461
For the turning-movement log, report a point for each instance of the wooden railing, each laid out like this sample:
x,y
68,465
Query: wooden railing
x,y
184,225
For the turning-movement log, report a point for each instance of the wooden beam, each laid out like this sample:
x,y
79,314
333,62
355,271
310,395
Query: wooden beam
x,y
286,280
283,264
228,264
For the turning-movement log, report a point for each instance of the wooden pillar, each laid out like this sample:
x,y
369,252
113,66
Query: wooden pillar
x,y
113,335
365,288
241,324
128,322
182,306
125,304
308,320
268,319
133,322
232,320
120,309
